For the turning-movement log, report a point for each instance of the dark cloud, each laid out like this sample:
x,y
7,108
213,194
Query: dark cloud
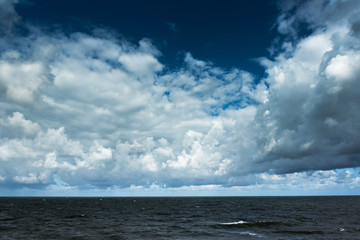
x,y
313,93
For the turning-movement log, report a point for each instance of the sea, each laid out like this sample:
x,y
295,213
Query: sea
x,y
180,217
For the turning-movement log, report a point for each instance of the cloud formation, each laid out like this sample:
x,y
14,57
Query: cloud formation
x,y
82,111
8,15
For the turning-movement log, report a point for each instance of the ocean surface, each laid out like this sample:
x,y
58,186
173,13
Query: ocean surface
x,y
181,218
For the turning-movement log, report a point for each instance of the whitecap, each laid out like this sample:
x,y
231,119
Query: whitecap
x,y
235,223
252,234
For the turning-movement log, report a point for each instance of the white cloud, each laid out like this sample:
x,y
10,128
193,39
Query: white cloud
x,y
343,67
31,178
22,80
15,148
141,65
18,121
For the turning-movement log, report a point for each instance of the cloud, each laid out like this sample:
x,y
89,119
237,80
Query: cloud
x,y
140,64
12,78
309,120
79,110
317,14
18,125
8,16
173,27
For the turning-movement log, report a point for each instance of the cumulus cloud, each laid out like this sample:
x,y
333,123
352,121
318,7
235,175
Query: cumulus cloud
x,y
20,81
82,110
17,125
310,116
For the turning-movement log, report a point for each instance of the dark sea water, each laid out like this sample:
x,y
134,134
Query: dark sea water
x,y
181,218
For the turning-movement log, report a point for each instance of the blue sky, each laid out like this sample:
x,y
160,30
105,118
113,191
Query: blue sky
x,y
228,33
179,98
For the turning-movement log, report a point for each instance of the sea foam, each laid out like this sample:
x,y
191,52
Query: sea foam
x,y
235,223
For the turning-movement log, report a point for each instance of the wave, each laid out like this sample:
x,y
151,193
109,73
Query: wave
x,y
267,223
302,232
248,233
234,223
243,223
76,216
4,219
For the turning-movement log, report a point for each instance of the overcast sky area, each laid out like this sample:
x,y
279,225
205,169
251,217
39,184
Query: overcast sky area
x,y
105,98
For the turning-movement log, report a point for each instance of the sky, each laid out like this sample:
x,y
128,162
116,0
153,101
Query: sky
x,y
176,98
